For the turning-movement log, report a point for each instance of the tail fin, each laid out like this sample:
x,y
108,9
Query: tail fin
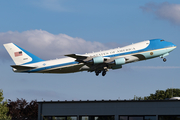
x,y
21,56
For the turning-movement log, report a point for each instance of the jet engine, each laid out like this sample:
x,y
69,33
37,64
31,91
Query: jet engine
x,y
118,63
97,60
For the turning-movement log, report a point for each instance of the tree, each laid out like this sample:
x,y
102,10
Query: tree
x,y
22,110
138,98
3,108
32,110
161,95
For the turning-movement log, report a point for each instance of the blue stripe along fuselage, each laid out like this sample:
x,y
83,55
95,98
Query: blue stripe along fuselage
x,y
154,44
53,66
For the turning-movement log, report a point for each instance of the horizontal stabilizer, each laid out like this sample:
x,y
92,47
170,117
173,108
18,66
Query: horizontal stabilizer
x,y
20,67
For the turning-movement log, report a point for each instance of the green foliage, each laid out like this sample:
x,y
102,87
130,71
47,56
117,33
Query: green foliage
x,y
3,108
69,118
138,98
161,95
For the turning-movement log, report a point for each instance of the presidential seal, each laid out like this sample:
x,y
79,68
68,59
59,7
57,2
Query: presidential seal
x,y
151,53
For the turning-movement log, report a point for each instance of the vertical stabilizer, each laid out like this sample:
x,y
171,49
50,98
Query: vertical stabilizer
x,y
19,55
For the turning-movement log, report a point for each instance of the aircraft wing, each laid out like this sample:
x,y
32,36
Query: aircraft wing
x,y
80,58
106,60
20,67
96,63
77,56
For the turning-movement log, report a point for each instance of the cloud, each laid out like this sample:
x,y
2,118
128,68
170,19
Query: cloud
x,y
167,11
46,45
155,67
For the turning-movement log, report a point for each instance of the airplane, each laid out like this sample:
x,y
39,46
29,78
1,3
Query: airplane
x,y
98,62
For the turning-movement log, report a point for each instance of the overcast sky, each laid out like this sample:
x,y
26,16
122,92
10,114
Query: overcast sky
x,y
52,28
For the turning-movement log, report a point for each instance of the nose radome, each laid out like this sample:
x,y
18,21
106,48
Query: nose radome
x,y
173,45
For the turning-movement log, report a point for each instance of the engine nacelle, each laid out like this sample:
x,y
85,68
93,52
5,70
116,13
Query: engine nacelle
x,y
119,61
98,60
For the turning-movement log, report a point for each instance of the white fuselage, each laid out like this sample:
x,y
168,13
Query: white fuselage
x,y
133,52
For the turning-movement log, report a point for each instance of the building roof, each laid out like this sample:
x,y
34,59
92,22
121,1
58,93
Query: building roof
x,y
95,101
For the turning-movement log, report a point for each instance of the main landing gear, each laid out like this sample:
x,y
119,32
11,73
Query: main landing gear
x,y
103,72
97,72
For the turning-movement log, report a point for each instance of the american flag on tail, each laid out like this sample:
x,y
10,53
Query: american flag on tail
x,y
18,54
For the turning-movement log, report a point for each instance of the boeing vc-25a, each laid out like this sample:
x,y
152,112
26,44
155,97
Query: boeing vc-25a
x,y
98,62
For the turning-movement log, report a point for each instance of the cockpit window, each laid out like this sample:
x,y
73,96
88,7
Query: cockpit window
x,y
162,40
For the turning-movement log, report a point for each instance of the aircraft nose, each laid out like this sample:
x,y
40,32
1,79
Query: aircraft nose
x,y
172,45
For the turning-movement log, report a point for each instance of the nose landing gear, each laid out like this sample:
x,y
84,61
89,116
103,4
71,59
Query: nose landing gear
x,y
163,56
164,59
